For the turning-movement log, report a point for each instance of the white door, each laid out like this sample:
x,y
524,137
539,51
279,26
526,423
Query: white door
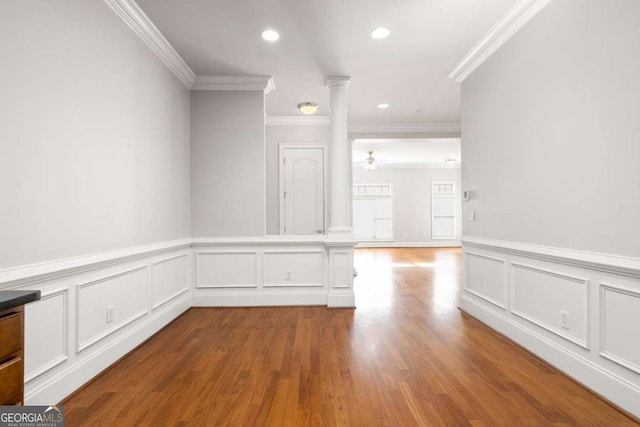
x,y
303,192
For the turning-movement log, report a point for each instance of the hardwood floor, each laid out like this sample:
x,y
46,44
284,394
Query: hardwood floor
x,y
405,357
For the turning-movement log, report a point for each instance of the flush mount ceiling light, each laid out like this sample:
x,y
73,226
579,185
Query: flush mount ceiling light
x,y
383,106
270,35
380,33
308,107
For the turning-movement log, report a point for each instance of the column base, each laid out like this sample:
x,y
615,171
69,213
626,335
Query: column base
x,y
340,248
339,298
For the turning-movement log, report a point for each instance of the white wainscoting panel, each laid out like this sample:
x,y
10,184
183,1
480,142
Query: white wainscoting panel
x,y
227,269
293,268
341,268
67,338
169,278
46,332
599,346
486,278
540,296
620,325
126,291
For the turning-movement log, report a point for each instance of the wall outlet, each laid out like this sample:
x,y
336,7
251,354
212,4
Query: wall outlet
x,y
564,319
110,314
288,275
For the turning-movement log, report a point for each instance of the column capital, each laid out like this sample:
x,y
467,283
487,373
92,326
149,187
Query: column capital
x,y
338,81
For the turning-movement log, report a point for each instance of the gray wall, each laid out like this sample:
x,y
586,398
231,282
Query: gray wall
x,y
94,135
274,136
227,163
411,198
551,131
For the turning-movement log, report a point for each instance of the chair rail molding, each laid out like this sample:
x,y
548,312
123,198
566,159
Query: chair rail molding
x,y
516,18
316,121
40,272
617,264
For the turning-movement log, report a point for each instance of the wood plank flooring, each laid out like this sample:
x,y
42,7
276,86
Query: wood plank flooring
x,y
405,357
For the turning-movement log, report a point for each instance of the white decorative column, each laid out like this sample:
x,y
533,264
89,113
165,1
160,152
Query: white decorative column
x,y
339,166
340,240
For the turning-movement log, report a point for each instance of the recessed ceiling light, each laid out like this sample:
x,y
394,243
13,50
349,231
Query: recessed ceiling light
x,y
270,35
380,33
449,160
308,107
383,106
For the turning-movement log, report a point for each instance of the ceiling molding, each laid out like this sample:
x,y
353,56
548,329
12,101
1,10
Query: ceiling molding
x,y
262,83
367,128
140,23
404,128
426,165
505,28
297,120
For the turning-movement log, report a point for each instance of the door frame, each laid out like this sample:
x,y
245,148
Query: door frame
x,y
281,180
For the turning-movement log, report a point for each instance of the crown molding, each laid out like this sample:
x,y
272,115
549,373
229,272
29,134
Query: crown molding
x,y
140,23
404,128
367,128
297,120
262,83
505,28
338,81
391,165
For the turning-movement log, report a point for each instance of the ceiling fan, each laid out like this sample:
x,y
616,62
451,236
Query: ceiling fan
x,y
369,163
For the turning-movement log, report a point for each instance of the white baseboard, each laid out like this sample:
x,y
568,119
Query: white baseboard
x,y
341,300
68,380
605,383
394,244
255,299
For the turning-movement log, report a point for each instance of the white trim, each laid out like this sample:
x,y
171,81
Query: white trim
x,y
603,336
239,83
81,346
505,293
274,240
282,146
68,380
626,266
36,273
144,28
402,128
374,197
46,294
256,259
259,299
341,298
179,292
394,244
317,121
503,30
152,303
392,165
305,251
455,208
604,382
559,332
